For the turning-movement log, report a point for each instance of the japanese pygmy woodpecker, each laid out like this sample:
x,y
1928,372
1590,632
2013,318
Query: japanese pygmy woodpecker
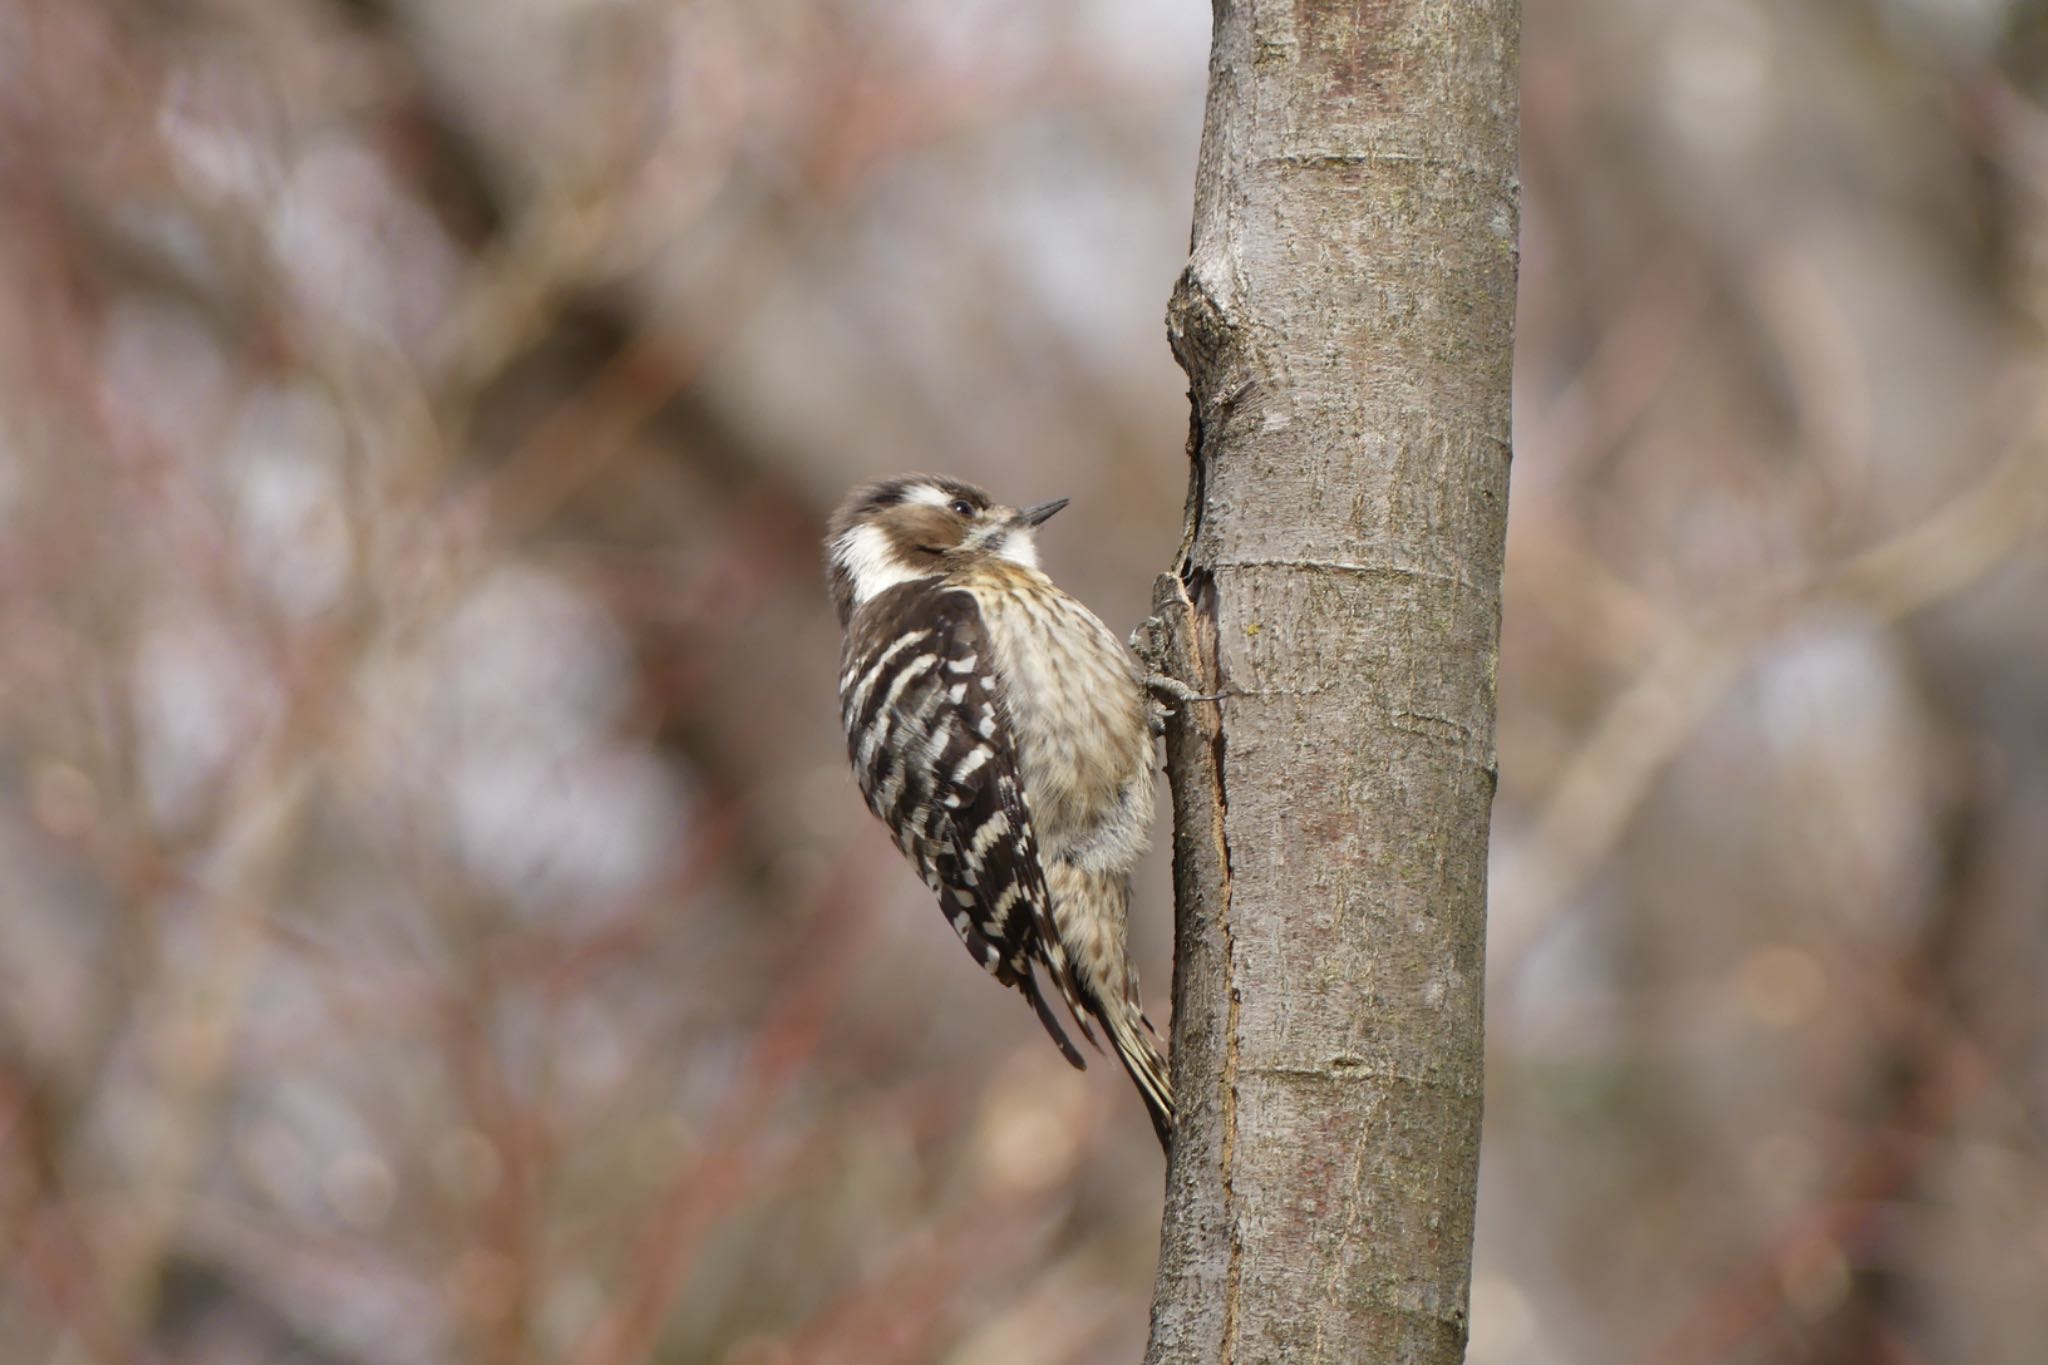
x,y
1004,736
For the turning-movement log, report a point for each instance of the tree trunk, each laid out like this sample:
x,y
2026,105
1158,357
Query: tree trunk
x,y
1346,322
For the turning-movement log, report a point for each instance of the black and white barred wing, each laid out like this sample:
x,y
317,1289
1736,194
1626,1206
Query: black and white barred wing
x,y
931,748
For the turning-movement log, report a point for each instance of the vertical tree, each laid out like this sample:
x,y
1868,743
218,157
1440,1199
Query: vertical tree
x,y
1346,324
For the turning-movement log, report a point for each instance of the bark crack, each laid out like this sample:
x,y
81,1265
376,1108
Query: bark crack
x,y
1318,160
1209,662
1344,566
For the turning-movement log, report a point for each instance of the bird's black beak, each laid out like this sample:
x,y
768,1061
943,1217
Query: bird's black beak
x,y
1039,515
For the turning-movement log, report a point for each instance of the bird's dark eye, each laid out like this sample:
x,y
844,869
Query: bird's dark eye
x,y
961,507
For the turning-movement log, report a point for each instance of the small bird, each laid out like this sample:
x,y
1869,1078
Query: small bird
x,y
1004,735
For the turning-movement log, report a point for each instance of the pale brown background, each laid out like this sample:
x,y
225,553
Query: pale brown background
x,y
438,925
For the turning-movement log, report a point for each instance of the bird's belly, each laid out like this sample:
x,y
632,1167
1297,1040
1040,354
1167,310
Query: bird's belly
x,y
1084,749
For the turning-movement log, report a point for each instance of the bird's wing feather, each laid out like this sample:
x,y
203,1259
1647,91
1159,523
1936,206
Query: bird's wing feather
x,y
931,745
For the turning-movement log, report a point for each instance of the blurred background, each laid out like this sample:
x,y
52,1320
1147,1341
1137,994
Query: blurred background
x,y
439,925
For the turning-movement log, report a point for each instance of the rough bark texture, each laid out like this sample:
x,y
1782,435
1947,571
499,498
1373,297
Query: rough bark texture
x,y
1346,322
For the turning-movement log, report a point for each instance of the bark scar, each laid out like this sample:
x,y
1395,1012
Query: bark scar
x,y
1194,591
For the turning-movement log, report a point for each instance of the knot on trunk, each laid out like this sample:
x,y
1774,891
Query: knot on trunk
x,y
1204,338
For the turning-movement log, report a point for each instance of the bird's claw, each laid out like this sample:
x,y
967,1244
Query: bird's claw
x,y
1168,692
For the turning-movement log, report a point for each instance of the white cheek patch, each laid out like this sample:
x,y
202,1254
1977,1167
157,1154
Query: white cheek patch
x,y
1020,547
874,568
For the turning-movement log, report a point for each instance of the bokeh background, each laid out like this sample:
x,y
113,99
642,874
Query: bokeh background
x,y
438,926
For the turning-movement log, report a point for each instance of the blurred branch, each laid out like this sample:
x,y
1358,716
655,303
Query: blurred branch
x,y
1591,803
191,1032
1639,351
1927,1070
665,1246
895,1315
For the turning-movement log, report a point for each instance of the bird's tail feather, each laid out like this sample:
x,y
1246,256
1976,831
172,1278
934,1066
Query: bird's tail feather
x,y
1141,1059
1028,983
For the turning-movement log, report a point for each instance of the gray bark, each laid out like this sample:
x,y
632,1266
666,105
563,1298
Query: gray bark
x,y
1346,323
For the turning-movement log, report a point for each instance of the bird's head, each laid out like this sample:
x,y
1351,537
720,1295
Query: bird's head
x,y
922,526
